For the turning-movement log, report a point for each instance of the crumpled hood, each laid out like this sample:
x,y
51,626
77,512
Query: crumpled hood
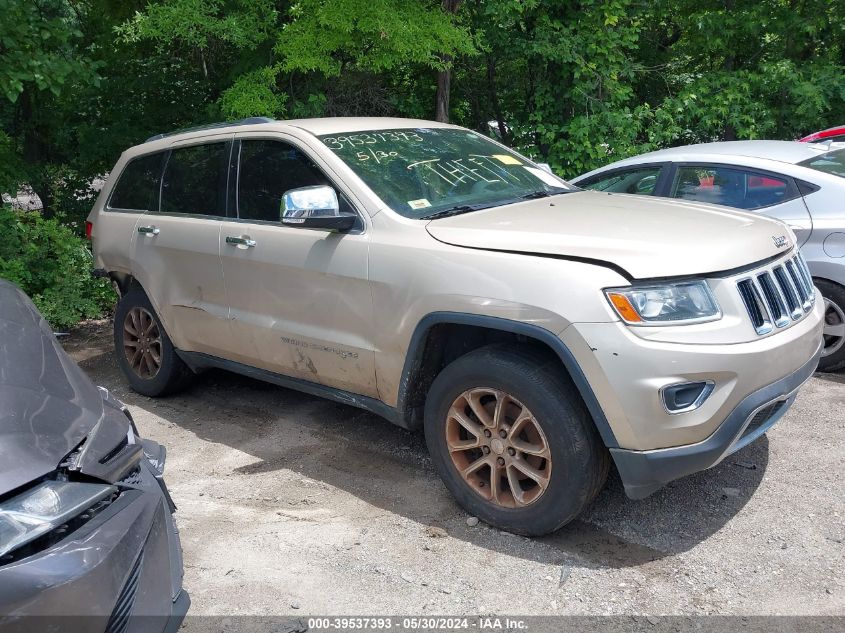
x,y
646,237
47,403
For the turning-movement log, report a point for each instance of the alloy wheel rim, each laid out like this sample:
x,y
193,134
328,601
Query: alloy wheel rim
x,y
498,447
142,343
834,328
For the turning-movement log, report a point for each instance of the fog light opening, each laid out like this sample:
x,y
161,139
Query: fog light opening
x,y
685,396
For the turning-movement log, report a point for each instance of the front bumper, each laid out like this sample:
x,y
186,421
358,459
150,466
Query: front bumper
x,y
644,472
125,561
752,384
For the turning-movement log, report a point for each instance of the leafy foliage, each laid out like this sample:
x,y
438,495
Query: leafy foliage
x,y
53,266
372,35
38,46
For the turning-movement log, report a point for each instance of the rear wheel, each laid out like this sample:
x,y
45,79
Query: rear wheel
x,y
512,440
833,353
144,351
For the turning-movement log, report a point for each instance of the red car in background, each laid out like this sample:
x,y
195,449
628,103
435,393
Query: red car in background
x,y
835,134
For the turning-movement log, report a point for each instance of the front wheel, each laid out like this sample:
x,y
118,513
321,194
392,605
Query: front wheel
x,y
833,352
512,440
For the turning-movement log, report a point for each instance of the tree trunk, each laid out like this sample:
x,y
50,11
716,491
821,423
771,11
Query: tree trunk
x,y
444,77
35,152
441,108
494,100
41,187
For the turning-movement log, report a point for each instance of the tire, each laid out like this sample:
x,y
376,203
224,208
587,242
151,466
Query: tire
x,y
537,389
833,354
134,314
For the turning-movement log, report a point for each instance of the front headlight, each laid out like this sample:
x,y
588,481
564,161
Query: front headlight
x,y
665,304
43,508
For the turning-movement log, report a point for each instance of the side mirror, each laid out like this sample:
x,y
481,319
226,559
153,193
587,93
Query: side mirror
x,y
315,208
545,167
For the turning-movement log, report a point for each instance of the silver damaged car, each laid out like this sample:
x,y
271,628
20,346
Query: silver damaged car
x,y
87,537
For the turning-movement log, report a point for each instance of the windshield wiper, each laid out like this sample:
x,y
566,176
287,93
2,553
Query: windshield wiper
x,y
533,195
467,208
448,213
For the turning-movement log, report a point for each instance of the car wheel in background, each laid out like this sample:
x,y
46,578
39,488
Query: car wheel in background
x,y
144,351
512,439
833,354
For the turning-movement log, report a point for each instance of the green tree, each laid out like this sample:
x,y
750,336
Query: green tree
x,y
284,60
40,62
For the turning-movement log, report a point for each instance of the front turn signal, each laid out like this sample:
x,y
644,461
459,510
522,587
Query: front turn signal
x,y
623,307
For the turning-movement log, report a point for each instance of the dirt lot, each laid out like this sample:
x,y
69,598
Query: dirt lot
x,y
292,505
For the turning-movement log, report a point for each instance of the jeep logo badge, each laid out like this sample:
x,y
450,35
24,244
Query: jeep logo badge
x,y
779,240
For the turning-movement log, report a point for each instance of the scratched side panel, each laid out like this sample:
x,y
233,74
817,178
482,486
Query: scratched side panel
x,y
301,304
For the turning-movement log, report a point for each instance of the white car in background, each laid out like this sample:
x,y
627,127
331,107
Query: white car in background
x,y
802,184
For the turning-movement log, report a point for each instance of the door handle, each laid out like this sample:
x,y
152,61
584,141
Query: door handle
x,y
240,241
149,230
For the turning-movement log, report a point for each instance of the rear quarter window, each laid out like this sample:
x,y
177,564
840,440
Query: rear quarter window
x,y
829,163
137,186
732,187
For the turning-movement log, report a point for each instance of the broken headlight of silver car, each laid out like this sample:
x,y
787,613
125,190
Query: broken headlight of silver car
x,y
43,508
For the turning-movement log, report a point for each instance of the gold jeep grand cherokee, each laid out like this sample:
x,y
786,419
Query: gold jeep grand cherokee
x,y
430,275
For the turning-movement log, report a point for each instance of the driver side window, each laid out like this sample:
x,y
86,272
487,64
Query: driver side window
x,y
266,170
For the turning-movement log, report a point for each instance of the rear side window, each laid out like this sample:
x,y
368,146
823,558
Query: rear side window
x,y
732,187
829,163
138,185
641,180
195,180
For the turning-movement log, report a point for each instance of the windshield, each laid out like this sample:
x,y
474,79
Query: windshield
x,y
829,163
435,172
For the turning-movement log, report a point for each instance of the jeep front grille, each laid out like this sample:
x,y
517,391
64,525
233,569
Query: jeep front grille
x,y
777,296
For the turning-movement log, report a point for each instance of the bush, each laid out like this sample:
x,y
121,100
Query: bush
x,y
53,266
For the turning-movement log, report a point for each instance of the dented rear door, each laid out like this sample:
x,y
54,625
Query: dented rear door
x,y
176,255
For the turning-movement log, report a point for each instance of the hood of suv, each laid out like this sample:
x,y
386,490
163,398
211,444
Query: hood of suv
x,y
48,406
646,237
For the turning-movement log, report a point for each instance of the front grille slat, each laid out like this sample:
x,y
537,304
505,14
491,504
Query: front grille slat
x,y
790,293
805,271
754,304
800,283
776,296
119,619
774,301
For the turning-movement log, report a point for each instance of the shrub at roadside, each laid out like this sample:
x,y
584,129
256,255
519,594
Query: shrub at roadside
x,y
53,266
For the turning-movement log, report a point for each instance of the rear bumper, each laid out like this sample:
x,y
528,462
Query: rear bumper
x,y
644,472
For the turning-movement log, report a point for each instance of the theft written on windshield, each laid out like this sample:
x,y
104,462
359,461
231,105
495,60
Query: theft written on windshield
x,y
435,172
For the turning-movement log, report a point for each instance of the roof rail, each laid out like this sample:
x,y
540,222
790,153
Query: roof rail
x,y
211,126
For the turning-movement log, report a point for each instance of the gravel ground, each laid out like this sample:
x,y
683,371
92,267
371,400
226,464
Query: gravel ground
x,y
292,505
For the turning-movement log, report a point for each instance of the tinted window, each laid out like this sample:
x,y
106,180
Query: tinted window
x,y
737,188
195,180
266,171
829,163
641,181
137,187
